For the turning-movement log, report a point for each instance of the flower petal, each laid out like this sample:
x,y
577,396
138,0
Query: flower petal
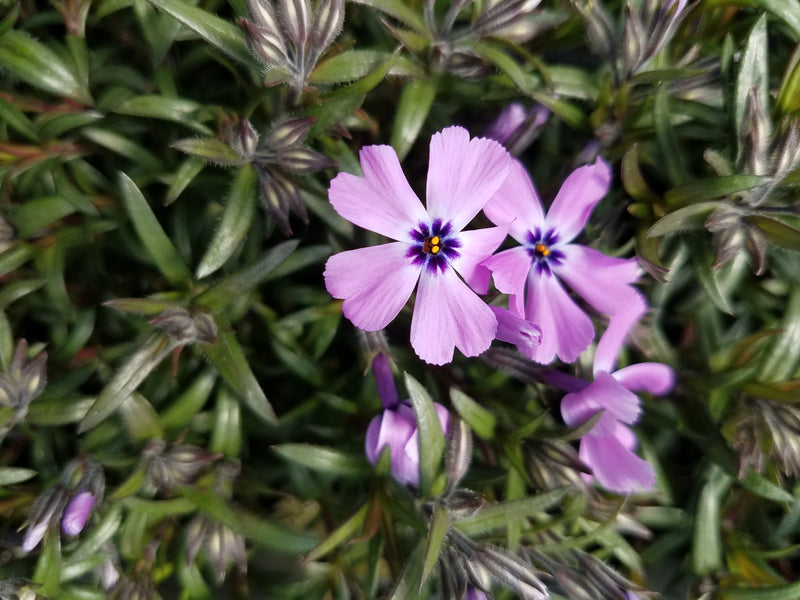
x,y
448,314
603,281
566,330
576,199
516,330
476,246
517,203
614,466
374,282
656,378
619,325
604,393
510,270
463,174
77,513
381,200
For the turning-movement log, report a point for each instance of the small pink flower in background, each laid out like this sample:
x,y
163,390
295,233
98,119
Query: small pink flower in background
x,y
532,273
608,449
430,248
516,127
397,429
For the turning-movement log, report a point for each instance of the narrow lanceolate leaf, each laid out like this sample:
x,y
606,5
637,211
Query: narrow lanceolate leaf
x,y
348,66
481,420
125,381
154,106
240,208
219,33
242,282
210,149
346,531
152,235
789,591
753,71
415,103
324,460
407,586
666,137
778,232
39,66
714,187
228,357
440,523
227,435
494,516
399,11
789,12
12,475
683,219
707,547
431,436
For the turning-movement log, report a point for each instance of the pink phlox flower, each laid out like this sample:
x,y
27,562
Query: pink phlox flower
x,y
608,449
431,247
532,272
397,428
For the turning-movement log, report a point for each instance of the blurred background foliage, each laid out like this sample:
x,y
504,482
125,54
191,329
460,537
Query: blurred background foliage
x,y
164,228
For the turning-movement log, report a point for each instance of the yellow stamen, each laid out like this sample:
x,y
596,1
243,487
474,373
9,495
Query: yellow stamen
x,y
435,240
542,249
434,249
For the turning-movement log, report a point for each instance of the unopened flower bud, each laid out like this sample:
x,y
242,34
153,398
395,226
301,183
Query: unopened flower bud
x,y
328,20
396,429
45,514
243,139
518,331
183,327
77,513
180,465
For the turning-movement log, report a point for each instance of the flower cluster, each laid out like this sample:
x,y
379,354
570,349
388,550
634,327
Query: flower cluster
x,y
450,266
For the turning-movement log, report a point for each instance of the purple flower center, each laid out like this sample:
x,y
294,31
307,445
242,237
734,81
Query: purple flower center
x,y
540,247
432,247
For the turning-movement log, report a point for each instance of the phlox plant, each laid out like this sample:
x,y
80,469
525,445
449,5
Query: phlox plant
x,y
408,299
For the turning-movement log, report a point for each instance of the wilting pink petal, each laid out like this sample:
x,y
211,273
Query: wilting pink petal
x,y
476,246
515,330
448,315
566,330
614,466
603,281
656,378
576,199
463,174
381,201
517,203
375,283
77,513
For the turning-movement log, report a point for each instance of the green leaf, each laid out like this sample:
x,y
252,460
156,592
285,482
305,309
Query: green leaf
x,y
669,148
408,584
439,525
481,420
707,544
271,536
140,418
228,357
431,436
38,213
689,217
345,532
783,358
778,232
18,289
182,177
788,99
332,110
713,187
323,459
241,283
494,516
761,486
211,149
753,75
240,208
348,66
632,179
127,378
39,66
152,235
415,103
189,403
16,119
12,475
226,438
219,33
15,257
399,11
177,110
702,260
49,566
790,591
788,12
